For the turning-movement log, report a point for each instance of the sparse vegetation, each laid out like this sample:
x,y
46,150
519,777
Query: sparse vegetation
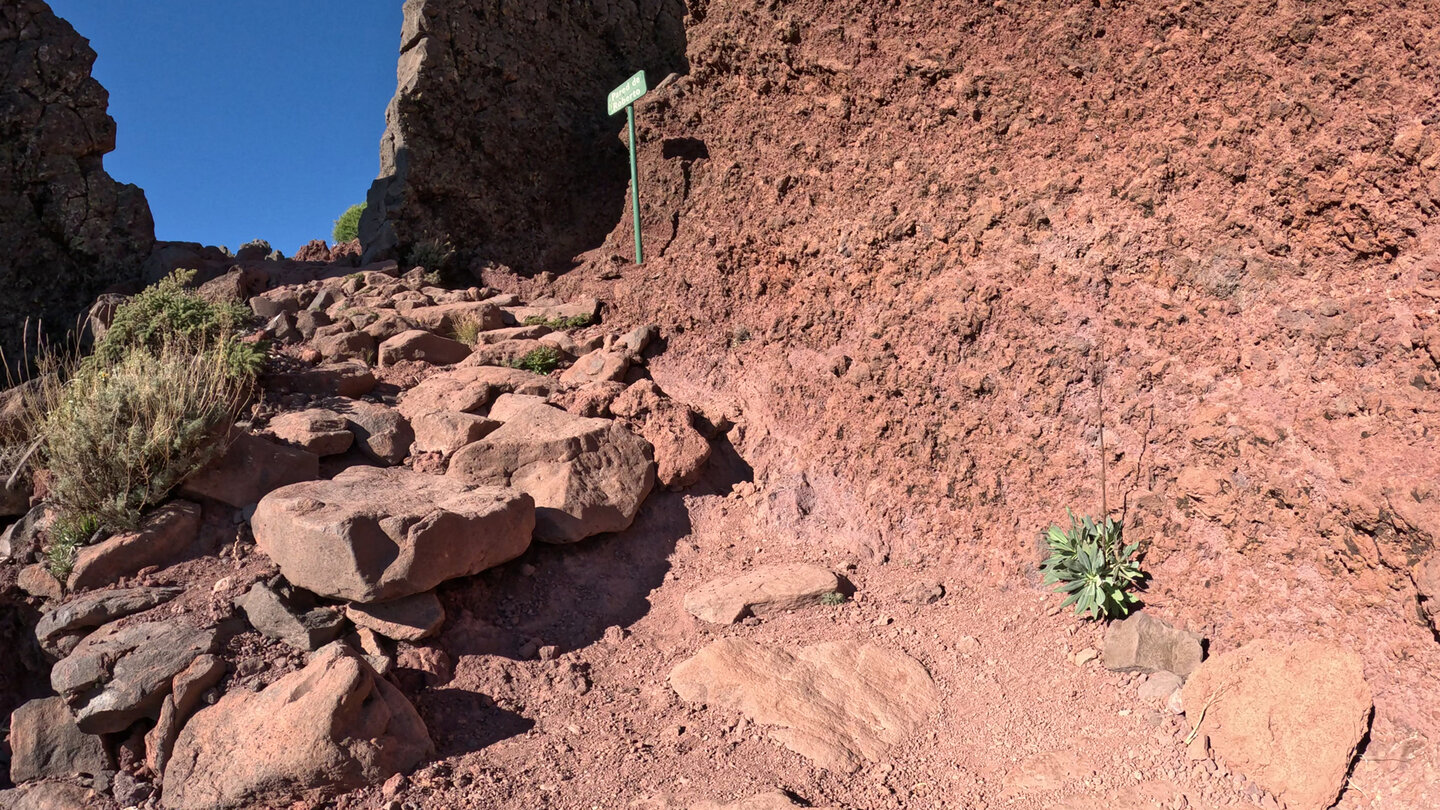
x,y
468,331
347,227
432,254
739,336
122,427
832,599
168,313
559,324
1091,564
542,360
67,535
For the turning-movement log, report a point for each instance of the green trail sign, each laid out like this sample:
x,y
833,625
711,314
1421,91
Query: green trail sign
x,y
624,98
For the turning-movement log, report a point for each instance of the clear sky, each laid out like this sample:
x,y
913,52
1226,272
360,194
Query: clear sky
x,y
244,119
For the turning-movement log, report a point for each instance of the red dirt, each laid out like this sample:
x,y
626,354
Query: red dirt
x,y
894,243
899,240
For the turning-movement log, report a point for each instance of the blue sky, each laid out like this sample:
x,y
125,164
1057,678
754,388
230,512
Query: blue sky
x,y
244,119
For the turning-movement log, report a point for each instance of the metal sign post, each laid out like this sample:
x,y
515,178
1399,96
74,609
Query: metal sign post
x,y
625,97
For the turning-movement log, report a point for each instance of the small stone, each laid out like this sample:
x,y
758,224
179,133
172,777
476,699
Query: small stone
x,y
1085,656
290,615
1160,685
1199,748
1145,643
763,590
37,581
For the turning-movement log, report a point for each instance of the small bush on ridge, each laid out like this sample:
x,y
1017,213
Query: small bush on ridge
x,y
117,437
542,360
347,227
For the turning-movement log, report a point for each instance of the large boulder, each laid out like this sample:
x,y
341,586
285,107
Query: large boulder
x,y
373,534
70,231
45,742
681,451
118,675
766,589
320,431
1287,716
162,540
332,727
423,346
587,476
838,703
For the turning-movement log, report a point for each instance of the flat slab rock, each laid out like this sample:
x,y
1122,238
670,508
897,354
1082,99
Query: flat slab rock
x,y
162,540
766,589
119,675
46,743
99,608
333,726
587,476
370,535
838,703
1287,716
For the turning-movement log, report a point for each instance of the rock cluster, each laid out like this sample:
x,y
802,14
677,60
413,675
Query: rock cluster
x,y
364,504
70,231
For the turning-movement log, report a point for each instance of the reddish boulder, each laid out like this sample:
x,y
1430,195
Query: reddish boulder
x,y
374,534
322,432
447,431
313,251
45,742
162,540
600,365
418,344
1287,716
470,390
332,727
444,319
382,433
681,451
587,476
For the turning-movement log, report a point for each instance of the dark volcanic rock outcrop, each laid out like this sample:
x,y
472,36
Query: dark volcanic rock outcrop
x,y
70,231
497,137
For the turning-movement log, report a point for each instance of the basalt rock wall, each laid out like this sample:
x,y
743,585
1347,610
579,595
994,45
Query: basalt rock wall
x,y
69,230
497,139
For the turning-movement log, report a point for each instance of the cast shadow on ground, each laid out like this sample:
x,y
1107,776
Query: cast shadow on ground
x,y
568,595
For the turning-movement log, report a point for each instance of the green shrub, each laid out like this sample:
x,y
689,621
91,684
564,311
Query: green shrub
x,y
434,255
67,535
116,437
1092,565
573,322
832,599
170,314
541,360
347,227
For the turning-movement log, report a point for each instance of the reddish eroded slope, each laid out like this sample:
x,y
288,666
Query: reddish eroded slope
x,y
902,237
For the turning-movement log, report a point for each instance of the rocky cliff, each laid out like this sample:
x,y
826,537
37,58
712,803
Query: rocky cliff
x,y
481,84
70,230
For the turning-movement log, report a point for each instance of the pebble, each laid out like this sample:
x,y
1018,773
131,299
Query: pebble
x,y
1085,656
